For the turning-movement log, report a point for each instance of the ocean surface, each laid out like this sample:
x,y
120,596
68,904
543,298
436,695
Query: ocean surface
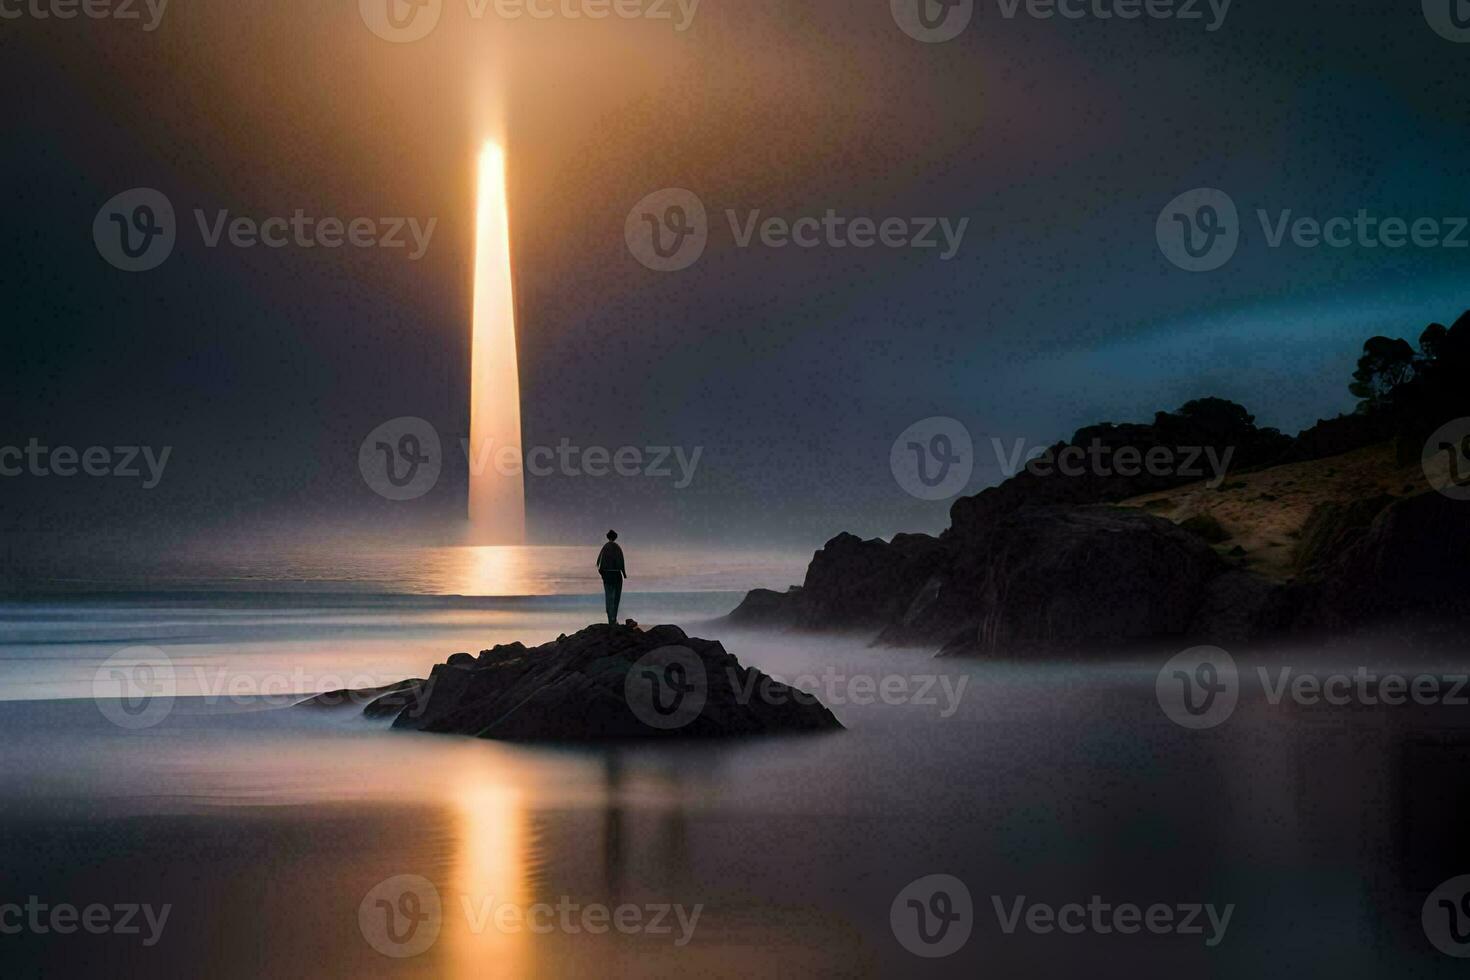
x,y
297,842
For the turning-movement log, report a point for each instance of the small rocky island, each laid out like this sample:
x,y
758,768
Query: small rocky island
x,y
605,682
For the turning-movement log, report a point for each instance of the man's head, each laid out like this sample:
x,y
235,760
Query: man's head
x,y
612,535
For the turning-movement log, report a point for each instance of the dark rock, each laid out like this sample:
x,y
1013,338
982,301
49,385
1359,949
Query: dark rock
x,y
408,698
1208,527
461,660
1242,607
763,607
503,650
579,688
1053,578
1036,564
1410,563
1334,437
851,584
1331,528
1057,579
403,691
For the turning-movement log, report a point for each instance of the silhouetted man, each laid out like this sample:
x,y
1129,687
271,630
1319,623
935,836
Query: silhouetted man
x,y
610,565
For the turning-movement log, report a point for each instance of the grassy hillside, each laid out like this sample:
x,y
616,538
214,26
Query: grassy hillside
x,y
1261,514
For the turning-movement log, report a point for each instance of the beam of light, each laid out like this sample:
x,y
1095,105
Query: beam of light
x,y
497,506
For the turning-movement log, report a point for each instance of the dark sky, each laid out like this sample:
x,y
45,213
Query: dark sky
x,y
792,369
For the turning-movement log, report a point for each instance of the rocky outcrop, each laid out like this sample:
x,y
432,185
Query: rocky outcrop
x,y
376,702
1038,564
1336,436
851,584
1413,562
1115,463
1067,579
605,682
1331,528
1040,579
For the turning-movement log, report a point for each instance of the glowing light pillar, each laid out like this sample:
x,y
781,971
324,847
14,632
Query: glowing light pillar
x,y
497,490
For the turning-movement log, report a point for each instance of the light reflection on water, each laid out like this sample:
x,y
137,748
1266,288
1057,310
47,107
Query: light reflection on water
x,y
266,828
466,570
1324,827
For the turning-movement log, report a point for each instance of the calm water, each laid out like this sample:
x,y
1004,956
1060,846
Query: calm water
x,y
268,830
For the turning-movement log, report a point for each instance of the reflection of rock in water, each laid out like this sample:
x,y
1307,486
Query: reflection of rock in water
x,y
1433,801
1388,808
666,863
612,825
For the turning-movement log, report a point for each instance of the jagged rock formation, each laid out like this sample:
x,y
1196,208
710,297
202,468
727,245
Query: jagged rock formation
x,y
605,682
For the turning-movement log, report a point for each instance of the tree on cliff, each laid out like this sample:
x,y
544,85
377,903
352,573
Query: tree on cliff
x,y
1387,363
1416,391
